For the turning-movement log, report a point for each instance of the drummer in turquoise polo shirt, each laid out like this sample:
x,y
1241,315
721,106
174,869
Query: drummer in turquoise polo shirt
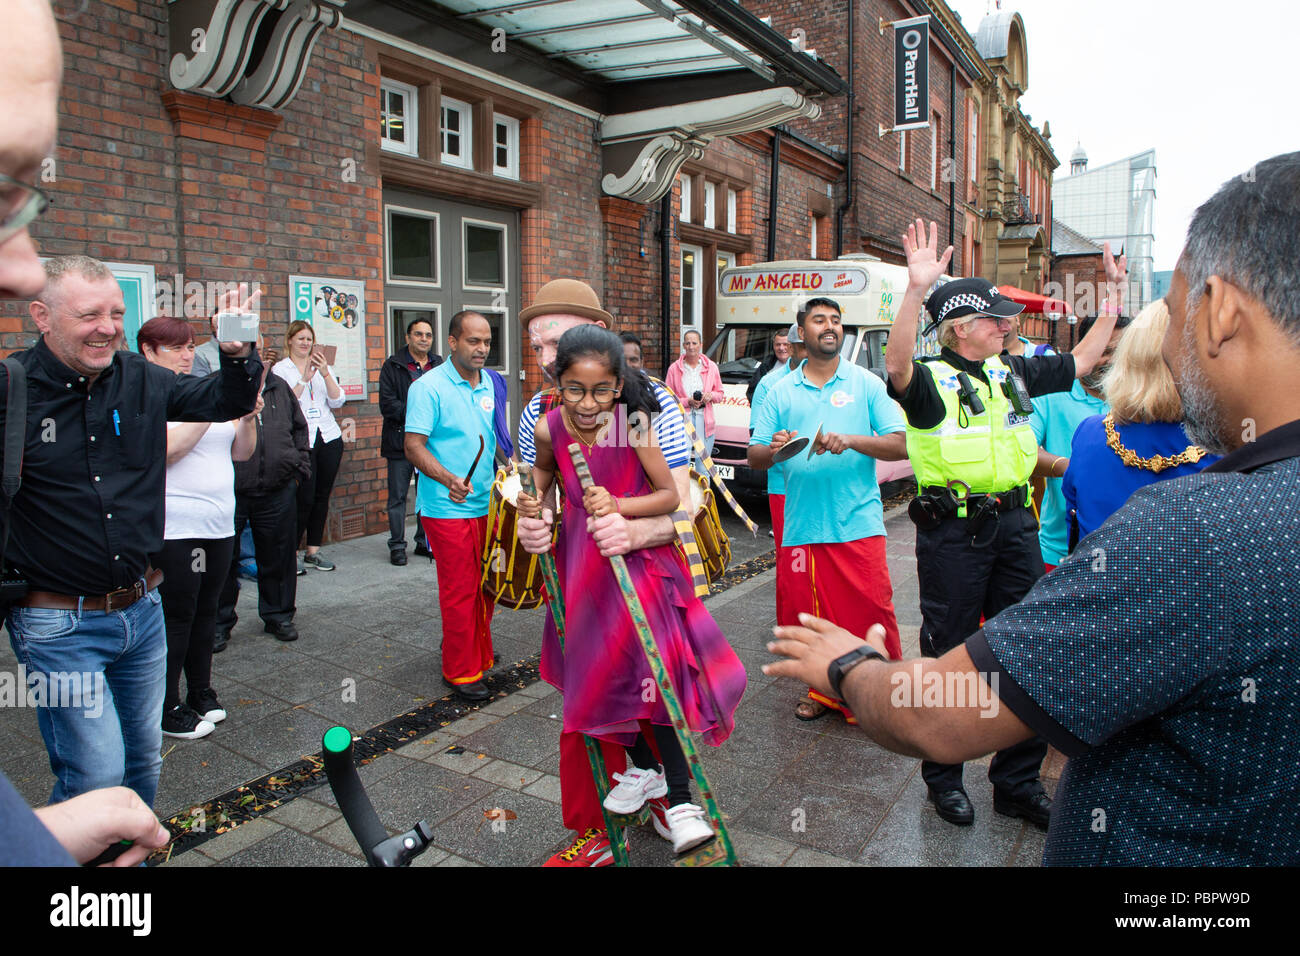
x,y
1057,416
449,436
833,534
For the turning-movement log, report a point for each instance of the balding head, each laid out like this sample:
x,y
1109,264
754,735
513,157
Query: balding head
x,y
29,101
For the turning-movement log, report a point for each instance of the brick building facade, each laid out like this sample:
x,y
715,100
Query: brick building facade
x,y
439,173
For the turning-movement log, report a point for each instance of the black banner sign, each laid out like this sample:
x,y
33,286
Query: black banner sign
x,y
911,73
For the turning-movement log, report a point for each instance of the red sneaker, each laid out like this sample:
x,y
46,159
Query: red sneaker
x,y
590,849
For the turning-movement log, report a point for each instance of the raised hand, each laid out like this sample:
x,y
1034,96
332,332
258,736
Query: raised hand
x,y
924,264
1116,277
236,300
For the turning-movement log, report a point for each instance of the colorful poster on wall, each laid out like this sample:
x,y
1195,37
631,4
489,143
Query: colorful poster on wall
x,y
336,310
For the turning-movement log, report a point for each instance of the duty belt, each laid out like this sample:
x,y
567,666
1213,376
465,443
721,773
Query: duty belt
x,y
1002,500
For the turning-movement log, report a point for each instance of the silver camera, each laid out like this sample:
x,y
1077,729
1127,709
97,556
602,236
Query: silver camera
x,y
237,326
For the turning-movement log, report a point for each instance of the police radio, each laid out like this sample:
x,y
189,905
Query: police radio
x,y
1014,389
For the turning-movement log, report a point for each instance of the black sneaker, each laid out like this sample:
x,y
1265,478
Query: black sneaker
x,y
206,705
182,721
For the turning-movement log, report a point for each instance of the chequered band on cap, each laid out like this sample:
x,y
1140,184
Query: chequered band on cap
x,y
965,298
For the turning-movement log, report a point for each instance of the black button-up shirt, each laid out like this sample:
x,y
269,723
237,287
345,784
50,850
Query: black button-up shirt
x,y
91,510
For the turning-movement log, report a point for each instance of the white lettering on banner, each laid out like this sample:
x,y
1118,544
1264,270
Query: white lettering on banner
x,y
911,109
741,283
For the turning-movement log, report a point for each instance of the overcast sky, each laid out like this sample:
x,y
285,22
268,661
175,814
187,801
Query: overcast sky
x,y
1211,86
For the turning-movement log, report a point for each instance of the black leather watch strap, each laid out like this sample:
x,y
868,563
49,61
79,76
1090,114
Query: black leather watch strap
x,y
837,668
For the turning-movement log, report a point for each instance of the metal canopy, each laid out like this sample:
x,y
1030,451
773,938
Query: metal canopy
x,y
618,40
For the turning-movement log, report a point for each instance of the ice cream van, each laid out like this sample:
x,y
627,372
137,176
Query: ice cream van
x,y
755,300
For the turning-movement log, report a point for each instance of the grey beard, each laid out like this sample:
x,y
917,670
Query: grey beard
x,y
1202,418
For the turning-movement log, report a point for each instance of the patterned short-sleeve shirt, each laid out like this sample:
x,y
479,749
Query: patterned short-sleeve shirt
x,y
1163,658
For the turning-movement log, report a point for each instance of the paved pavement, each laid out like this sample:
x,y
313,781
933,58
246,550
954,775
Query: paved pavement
x,y
795,793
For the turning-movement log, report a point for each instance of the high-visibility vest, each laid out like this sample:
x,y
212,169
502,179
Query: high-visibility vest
x,y
993,452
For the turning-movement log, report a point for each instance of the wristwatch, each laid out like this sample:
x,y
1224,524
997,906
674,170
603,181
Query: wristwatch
x,y
837,668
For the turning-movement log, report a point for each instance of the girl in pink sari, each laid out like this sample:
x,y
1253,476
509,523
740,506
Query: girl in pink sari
x,y
608,689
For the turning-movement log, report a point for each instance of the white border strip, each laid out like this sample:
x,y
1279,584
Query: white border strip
x,y
442,59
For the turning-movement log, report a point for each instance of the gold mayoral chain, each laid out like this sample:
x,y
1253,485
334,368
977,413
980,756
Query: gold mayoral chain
x,y
1156,463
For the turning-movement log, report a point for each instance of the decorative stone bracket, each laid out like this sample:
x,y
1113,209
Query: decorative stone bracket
x,y
644,150
254,51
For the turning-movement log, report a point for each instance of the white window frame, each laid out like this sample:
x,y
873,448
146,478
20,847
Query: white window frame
x,y
685,215
511,169
902,151
506,337
505,258
973,147
710,205
696,319
439,342
466,159
733,204
813,230
388,248
410,117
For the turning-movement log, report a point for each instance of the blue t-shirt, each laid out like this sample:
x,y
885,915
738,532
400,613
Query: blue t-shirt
x,y
1056,416
1161,659
442,406
775,478
1098,483
830,498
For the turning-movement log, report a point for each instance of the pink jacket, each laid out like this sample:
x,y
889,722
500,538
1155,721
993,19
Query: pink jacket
x,y
712,389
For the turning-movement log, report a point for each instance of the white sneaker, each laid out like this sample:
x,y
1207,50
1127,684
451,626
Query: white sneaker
x,y
634,788
688,827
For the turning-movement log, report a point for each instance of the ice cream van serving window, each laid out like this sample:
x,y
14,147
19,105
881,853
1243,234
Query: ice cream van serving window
x,y
398,116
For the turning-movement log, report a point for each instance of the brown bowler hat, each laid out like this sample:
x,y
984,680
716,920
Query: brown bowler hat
x,y
570,296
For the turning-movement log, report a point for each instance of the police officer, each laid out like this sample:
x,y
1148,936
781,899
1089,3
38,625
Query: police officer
x,y
973,451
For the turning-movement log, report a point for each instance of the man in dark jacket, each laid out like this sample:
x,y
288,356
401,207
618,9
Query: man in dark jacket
x,y
395,378
266,488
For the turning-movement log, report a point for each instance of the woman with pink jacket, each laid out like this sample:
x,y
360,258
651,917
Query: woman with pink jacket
x,y
697,384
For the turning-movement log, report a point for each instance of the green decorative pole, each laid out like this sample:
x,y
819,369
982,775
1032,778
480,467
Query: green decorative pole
x,y
555,601
715,852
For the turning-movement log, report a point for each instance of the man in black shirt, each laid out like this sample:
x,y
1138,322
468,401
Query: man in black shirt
x,y
399,371
87,516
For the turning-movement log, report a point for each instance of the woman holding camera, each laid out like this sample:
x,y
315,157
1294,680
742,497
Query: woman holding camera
x,y
198,537
319,393
697,384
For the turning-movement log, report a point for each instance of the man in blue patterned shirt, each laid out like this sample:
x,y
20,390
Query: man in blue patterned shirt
x,y
1161,657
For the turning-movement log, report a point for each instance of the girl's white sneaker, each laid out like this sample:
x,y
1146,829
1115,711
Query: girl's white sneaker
x,y
688,827
634,788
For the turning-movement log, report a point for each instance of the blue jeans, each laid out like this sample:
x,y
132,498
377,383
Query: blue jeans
x,y
100,712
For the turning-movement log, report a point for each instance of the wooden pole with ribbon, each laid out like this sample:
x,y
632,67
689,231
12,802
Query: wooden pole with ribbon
x,y
614,823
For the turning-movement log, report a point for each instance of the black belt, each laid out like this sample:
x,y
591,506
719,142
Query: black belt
x,y
1006,500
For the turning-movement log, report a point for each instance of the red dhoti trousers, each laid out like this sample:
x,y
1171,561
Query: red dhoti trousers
x,y
457,546
846,583
786,611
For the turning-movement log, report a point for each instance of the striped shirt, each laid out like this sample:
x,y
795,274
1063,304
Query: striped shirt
x,y
669,430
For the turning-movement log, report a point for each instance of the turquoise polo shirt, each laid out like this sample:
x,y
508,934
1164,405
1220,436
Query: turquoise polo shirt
x,y
829,498
775,479
442,406
1056,418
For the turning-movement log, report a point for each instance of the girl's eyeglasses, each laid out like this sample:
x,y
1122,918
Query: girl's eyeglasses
x,y
20,204
576,393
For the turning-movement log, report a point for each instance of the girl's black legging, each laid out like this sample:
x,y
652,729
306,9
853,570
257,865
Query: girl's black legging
x,y
314,493
675,769
194,570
